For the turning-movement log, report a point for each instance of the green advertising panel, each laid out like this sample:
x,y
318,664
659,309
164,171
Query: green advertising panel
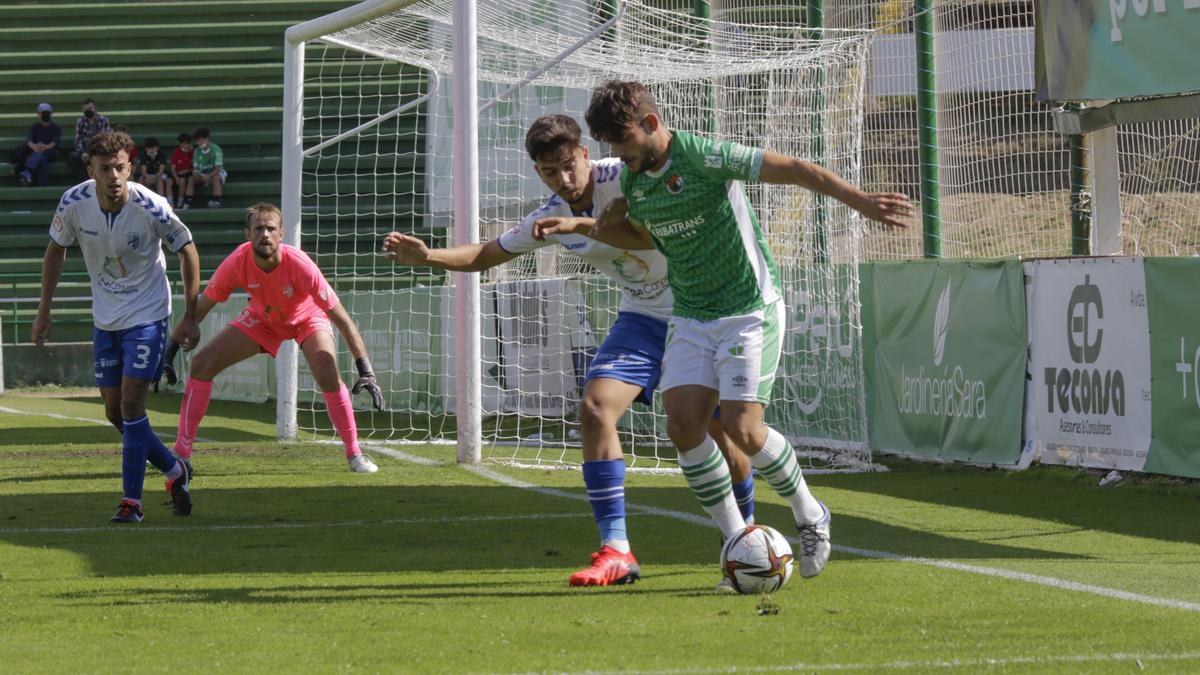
x,y
1104,49
1174,364
945,346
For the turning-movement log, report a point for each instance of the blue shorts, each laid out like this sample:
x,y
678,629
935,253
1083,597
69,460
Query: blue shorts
x,y
133,352
632,353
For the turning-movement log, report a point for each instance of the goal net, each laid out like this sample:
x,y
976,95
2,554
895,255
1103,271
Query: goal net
x,y
377,136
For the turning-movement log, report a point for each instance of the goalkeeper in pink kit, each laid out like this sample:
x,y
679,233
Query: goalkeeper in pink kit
x,y
289,300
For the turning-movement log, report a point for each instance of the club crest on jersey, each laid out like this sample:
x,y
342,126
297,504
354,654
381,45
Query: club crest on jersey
x,y
134,239
675,184
57,222
287,291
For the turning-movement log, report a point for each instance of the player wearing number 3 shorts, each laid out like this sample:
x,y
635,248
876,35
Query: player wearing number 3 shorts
x,y
121,227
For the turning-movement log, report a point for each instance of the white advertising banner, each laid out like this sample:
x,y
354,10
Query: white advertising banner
x,y
1089,362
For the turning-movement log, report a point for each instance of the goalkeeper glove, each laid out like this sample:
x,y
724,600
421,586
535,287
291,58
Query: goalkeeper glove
x,y
366,380
169,366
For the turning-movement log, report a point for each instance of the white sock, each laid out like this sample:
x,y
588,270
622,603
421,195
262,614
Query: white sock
x,y
708,476
621,545
776,462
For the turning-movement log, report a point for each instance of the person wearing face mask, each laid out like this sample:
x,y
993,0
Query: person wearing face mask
x,y
88,125
41,147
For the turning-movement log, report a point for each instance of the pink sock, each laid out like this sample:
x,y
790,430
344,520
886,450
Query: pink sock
x,y
341,413
191,411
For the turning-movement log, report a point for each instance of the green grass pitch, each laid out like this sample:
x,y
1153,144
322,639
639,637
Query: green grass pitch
x,y
292,564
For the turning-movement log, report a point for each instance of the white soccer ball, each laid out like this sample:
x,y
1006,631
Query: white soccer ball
x,y
757,560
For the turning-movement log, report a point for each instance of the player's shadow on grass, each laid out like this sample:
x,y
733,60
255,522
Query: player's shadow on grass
x,y
67,435
417,594
351,529
1055,496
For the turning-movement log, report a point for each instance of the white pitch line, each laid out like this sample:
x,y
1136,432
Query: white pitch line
x,y
89,420
288,526
931,665
696,519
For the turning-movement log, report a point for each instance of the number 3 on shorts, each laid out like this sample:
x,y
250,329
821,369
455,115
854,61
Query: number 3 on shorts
x,y
142,361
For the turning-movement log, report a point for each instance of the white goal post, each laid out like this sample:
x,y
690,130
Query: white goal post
x,y
411,116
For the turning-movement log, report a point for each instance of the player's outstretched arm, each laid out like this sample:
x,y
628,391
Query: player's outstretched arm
x,y
890,208
612,227
188,328
358,349
52,267
408,250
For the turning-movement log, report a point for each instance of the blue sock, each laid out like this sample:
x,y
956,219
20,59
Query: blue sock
x,y
134,449
156,452
605,481
743,492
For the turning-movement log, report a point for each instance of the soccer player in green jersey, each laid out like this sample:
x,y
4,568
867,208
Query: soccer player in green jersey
x,y
685,195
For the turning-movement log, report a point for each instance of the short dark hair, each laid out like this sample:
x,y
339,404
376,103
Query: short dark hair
x,y
616,106
202,132
109,143
89,100
551,132
261,209
184,137
150,142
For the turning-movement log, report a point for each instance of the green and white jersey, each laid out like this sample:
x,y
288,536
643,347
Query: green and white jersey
x,y
696,210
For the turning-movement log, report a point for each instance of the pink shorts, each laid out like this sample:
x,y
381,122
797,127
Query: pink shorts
x,y
269,336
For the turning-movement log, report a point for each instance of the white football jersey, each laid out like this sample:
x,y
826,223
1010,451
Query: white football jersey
x,y
122,251
641,275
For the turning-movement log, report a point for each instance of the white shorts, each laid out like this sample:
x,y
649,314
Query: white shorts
x,y
736,356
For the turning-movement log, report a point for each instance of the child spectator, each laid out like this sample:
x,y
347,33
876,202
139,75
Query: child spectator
x,y
181,173
207,159
152,167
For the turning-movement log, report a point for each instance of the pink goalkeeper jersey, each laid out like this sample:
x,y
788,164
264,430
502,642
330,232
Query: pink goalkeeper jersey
x,y
286,296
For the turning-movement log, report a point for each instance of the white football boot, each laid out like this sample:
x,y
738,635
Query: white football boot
x,y
363,464
814,544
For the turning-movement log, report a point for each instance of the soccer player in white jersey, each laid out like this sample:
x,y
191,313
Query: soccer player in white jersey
x,y
686,196
289,300
626,367
121,226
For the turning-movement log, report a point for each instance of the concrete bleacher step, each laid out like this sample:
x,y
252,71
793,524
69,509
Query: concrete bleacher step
x,y
160,55
143,34
158,69
47,11
257,118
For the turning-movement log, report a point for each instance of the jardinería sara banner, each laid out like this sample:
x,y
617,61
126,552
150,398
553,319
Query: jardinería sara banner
x,y
1104,49
1089,362
1171,285
945,358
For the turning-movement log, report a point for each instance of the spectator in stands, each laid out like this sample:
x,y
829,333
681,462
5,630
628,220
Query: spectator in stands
x,y
90,124
152,167
180,182
41,147
207,160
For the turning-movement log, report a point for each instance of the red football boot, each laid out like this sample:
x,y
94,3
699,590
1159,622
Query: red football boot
x,y
609,567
